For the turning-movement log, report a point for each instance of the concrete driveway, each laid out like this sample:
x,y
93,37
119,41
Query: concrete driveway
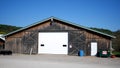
x,y
57,61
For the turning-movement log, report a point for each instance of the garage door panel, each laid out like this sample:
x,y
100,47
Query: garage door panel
x,y
53,42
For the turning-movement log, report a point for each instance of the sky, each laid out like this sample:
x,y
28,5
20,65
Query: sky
x,y
90,13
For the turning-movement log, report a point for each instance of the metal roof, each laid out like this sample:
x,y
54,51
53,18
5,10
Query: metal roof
x,y
68,22
2,37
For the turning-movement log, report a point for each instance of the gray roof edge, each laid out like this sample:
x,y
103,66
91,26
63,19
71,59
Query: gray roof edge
x,y
2,37
52,17
29,26
85,27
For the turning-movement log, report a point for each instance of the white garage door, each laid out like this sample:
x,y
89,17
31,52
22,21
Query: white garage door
x,y
53,43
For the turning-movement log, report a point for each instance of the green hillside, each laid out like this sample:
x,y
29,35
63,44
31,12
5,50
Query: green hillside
x,y
4,29
103,30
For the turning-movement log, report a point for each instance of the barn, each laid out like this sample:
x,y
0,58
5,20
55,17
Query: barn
x,y
56,36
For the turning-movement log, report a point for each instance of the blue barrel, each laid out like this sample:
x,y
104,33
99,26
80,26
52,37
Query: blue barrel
x,y
81,53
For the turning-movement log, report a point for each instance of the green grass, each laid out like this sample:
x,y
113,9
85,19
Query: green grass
x,y
117,54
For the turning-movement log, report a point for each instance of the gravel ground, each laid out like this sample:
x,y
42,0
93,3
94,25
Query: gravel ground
x,y
56,61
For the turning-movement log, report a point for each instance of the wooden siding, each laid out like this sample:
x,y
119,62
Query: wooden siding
x,y
78,38
2,42
102,41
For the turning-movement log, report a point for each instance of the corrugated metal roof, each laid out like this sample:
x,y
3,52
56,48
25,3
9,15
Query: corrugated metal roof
x,y
51,18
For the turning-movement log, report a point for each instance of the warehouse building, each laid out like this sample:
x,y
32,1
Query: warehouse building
x,y
57,36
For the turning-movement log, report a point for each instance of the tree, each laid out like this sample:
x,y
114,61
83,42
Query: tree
x,y
4,29
103,30
116,41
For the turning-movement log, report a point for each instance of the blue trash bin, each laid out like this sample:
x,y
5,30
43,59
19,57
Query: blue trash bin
x,y
81,53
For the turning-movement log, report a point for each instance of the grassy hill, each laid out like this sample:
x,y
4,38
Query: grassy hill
x,y
104,30
4,29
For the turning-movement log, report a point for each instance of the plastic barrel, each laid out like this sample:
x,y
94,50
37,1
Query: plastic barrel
x,y
81,53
